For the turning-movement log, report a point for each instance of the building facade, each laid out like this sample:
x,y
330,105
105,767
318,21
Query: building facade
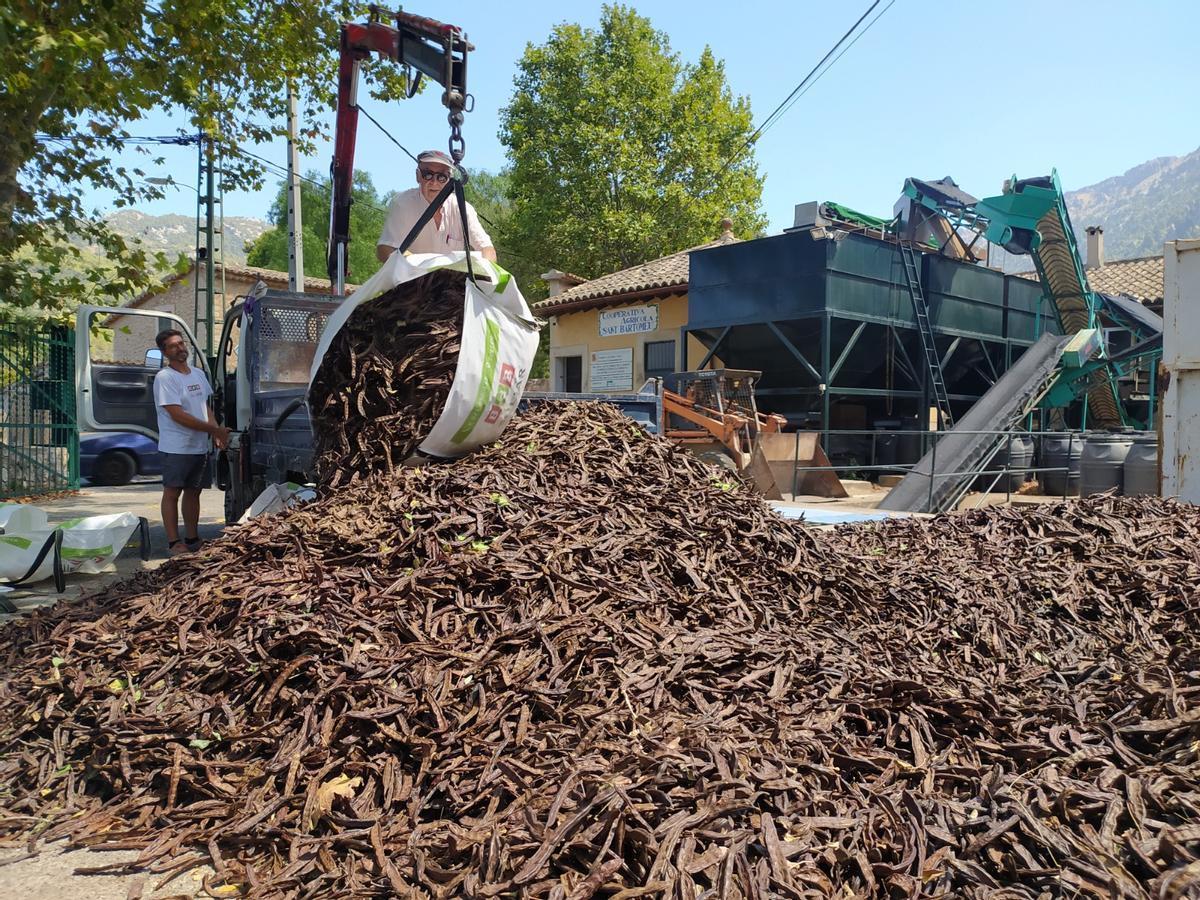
x,y
610,334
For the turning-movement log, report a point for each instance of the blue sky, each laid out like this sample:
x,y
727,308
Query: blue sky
x,y
978,91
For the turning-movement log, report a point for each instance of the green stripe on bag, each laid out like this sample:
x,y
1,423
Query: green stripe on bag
x,y
82,553
487,381
23,543
505,278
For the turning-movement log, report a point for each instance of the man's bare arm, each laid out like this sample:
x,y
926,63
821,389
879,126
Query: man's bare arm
x,y
489,253
180,417
383,251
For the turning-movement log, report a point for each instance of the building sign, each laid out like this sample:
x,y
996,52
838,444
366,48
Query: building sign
x,y
635,320
612,370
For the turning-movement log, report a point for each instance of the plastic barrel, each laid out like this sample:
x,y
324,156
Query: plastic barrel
x,y
1141,465
1016,452
1060,451
1102,464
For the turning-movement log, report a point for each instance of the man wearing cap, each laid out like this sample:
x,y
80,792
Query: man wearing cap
x,y
445,230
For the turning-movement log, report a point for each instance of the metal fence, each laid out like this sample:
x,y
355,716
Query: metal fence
x,y
986,479
39,436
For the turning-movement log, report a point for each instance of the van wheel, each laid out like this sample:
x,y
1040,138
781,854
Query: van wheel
x,y
115,467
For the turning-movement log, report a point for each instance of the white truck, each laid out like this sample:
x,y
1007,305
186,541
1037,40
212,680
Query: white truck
x,y
1181,364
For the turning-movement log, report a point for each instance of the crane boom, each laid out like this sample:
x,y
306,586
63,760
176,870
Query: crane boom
x,y
436,51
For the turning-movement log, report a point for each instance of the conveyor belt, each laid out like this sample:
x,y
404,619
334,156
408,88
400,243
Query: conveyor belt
x,y
1031,217
1056,261
963,449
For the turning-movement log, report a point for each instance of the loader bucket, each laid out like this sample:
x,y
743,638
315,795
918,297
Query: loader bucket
x,y
760,472
787,455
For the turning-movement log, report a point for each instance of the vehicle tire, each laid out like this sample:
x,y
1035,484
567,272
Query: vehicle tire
x,y
718,459
233,510
115,467
235,493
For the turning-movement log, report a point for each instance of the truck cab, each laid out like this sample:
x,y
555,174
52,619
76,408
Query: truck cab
x,y
261,368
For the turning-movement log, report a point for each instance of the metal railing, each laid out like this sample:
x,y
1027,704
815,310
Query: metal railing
x,y
1073,438
39,437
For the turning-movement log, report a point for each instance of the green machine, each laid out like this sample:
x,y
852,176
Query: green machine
x,y
1030,218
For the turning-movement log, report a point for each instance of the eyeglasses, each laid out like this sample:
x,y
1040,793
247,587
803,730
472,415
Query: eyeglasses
x,y
439,177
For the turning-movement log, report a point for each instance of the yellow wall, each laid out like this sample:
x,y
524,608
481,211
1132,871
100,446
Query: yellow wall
x,y
578,334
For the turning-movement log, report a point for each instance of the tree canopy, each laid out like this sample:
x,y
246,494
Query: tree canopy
x,y
620,152
367,213
77,74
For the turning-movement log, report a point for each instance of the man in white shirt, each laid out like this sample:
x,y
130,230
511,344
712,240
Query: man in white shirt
x,y
445,230
185,423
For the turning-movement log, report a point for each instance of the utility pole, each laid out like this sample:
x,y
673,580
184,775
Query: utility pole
x,y
295,219
210,228
209,262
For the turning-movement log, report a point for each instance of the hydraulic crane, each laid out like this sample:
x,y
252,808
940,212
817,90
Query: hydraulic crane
x,y
434,50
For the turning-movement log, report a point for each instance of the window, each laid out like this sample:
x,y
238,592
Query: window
x,y
659,359
568,374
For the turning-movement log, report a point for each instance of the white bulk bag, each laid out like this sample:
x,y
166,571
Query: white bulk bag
x,y
92,543
499,341
277,497
89,544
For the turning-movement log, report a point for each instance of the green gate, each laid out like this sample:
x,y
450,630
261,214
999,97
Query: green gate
x,y
39,435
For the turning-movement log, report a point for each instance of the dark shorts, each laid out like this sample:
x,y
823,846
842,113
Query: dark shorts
x,y
186,470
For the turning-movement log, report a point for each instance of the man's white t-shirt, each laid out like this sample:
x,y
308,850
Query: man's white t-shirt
x,y
190,391
408,206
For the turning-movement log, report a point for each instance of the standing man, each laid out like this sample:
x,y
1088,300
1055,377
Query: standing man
x,y
445,230
185,423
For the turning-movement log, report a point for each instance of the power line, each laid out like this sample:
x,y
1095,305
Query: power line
x,y
386,133
277,169
183,139
794,97
779,110
798,91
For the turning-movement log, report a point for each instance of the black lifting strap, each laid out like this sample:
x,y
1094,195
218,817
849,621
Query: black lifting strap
x,y
455,186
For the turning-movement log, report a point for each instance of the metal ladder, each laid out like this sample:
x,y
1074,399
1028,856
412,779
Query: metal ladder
x,y
912,275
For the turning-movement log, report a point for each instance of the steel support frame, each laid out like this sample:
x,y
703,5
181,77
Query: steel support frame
x,y
824,388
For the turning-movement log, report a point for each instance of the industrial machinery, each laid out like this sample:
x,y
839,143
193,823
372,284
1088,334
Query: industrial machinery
x,y
1029,217
713,414
435,51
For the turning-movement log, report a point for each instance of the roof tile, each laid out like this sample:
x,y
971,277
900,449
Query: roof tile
x,y
1140,278
665,273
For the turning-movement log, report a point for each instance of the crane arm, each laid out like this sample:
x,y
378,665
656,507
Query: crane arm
x,y
436,51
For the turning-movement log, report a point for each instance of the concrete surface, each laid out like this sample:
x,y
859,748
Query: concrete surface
x,y
50,874
142,499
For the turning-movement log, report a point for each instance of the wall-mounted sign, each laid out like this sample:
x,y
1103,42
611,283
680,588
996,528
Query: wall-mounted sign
x,y
612,370
635,320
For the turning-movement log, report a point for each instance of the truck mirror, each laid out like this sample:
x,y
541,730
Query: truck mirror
x,y
154,358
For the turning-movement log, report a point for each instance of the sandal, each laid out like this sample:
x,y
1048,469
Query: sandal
x,y
193,543
178,548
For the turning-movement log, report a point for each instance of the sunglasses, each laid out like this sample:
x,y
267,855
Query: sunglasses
x,y
439,177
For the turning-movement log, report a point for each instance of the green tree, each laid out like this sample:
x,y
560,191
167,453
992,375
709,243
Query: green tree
x,y
490,194
367,213
620,152
75,74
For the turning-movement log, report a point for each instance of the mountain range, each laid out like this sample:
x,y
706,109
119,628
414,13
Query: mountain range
x,y
174,234
1153,202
